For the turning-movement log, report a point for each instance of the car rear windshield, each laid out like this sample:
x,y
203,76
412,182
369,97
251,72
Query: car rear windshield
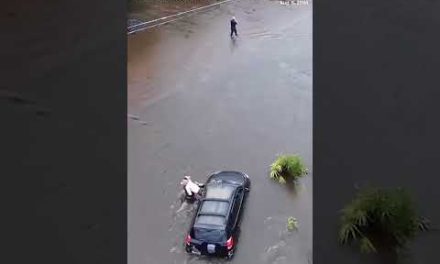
x,y
210,235
219,191
214,207
215,220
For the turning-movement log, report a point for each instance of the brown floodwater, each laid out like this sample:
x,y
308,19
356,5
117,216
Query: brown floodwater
x,y
209,102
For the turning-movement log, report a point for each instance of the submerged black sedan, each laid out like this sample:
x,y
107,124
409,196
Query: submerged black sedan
x,y
215,227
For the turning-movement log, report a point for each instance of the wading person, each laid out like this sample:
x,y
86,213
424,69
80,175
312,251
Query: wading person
x,y
234,26
192,189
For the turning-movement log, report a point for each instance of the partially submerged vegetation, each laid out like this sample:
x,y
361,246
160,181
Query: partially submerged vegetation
x,y
287,168
292,223
378,218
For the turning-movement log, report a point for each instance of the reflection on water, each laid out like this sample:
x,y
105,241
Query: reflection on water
x,y
233,44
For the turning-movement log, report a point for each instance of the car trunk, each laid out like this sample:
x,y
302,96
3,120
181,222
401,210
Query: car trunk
x,y
209,241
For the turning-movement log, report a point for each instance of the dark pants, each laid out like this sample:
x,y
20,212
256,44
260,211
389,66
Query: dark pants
x,y
234,31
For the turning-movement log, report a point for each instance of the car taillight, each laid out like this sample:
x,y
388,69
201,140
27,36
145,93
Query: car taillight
x,y
230,243
188,239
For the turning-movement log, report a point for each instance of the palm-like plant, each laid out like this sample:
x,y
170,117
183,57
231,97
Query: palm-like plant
x,y
376,215
287,168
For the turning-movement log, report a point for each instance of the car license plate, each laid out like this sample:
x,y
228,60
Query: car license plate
x,y
211,248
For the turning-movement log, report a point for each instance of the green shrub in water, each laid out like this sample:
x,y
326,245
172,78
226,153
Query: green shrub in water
x,y
287,168
380,216
292,223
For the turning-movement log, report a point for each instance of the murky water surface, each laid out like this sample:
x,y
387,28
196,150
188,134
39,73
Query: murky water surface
x,y
199,101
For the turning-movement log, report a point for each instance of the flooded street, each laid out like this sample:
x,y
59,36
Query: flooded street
x,y
199,102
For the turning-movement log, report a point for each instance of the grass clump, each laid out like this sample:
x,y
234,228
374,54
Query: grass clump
x,y
292,223
287,168
377,217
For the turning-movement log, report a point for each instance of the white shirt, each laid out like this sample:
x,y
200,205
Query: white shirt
x,y
192,188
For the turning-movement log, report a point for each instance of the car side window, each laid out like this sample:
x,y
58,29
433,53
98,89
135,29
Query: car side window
x,y
231,218
236,206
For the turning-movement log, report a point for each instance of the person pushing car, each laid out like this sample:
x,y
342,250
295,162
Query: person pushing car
x,y
190,187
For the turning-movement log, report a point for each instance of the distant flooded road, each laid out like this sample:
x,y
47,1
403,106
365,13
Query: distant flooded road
x,y
200,101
